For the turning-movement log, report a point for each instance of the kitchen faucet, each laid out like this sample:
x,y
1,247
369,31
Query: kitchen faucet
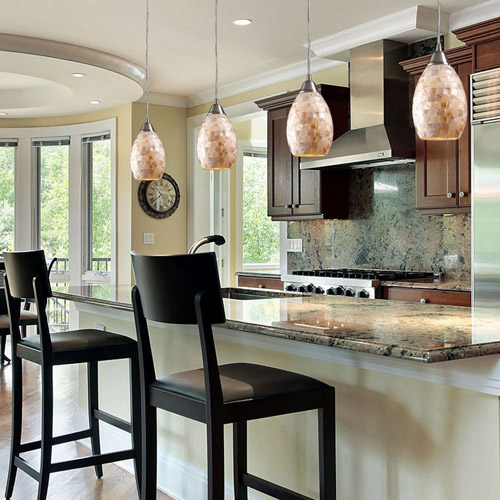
x,y
214,238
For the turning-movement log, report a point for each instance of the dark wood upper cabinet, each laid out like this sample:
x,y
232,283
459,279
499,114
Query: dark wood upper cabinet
x,y
295,194
443,167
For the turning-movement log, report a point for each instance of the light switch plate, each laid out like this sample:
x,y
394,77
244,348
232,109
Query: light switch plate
x,y
149,238
293,245
100,326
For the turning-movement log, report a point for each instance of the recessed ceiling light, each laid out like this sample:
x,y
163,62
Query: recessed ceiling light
x,y
78,75
95,102
242,22
3,113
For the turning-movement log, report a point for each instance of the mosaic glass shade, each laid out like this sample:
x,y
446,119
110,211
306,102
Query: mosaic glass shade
x,y
147,159
439,104
309,128
217,144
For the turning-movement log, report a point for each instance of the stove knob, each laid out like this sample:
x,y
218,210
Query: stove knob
x,y
339,290
331,291
311,288
363,294
319,290
291,288
303,288
349,292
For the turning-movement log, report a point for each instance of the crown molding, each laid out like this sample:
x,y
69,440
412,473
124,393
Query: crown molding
x,y
475,14
262,80
174,101
409,25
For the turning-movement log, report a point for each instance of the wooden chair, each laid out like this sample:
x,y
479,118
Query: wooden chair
x,y
27,278
185,289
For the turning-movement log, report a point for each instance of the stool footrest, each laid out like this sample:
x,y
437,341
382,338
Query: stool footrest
x,y
104,458
271,489
66,438
26,467
112,420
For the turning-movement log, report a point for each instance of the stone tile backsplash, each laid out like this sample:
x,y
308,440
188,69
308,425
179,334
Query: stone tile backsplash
x,y
385,230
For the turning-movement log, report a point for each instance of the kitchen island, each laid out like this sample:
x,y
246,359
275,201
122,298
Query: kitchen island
x,y
409,425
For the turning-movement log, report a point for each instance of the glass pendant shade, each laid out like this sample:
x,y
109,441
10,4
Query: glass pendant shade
x,y
439,104
147,159
309,127
217,145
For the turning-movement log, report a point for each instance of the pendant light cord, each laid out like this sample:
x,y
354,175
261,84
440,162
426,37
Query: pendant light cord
x,y
147,61
216,53
438,46
309,40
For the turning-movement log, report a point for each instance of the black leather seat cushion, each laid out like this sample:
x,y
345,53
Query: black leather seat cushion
x,y
79,339
240,381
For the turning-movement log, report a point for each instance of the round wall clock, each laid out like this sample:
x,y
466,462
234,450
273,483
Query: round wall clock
x,y
159,199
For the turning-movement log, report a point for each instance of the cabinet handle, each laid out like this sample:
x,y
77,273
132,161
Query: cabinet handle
x,y
287,206
423,301
462,194
261,286
296,205
450,195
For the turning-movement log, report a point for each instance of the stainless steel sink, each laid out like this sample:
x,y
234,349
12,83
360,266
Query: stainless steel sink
x,y
254,294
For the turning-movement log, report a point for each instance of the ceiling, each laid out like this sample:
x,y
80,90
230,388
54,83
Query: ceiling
x,y
182,32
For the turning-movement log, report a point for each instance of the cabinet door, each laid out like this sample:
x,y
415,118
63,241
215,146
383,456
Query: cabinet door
x,y
306,190
464,163
279,168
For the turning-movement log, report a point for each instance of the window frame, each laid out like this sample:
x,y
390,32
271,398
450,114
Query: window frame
x,y
26,194
248,147
8,142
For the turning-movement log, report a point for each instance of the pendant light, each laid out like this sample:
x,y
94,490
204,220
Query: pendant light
x,y
217,145
439,104
309,127
147,159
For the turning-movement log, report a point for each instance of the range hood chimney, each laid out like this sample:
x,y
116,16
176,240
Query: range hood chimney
x,y
381,131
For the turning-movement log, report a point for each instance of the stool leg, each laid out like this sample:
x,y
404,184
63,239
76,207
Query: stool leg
x,y
326,432
135,412
47,430
149,447
93,397
240,459
215,449
3,341
17,421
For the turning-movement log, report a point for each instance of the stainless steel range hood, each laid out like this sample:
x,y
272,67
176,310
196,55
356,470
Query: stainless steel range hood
x,y
381,130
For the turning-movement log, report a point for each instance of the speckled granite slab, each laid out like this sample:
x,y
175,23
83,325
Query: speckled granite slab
x,y
429,333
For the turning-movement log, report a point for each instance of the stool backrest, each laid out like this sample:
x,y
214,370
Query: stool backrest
x,y
168,285
179,289
22,268
27,278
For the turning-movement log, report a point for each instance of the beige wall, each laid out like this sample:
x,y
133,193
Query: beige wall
x,y
123,115
170,233
397,438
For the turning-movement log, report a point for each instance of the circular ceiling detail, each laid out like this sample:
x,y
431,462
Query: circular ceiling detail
x,y
37,78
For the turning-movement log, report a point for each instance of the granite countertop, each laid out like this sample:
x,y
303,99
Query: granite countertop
x,y
259,274
446,284
402,330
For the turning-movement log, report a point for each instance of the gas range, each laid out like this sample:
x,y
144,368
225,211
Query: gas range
x,y
362,283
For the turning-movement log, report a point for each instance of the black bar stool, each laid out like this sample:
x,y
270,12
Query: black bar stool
x,y
185,289
27,278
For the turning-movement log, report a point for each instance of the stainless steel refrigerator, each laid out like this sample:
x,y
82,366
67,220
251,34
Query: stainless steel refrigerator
x,y
485,120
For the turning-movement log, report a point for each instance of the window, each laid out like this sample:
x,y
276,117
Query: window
x,y
7,175
52,160
261,235
97,162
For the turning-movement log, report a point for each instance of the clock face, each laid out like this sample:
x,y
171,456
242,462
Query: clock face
x,y
159,199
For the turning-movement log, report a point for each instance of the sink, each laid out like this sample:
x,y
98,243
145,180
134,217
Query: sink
x,y
253,294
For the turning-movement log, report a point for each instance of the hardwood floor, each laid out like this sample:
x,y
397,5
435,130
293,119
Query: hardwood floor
x,y
79,484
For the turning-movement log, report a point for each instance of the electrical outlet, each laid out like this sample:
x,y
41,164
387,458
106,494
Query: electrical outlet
x,y
100,326
294,245
149,238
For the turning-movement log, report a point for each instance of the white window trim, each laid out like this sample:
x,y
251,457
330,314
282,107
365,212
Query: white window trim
x,y
26,199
